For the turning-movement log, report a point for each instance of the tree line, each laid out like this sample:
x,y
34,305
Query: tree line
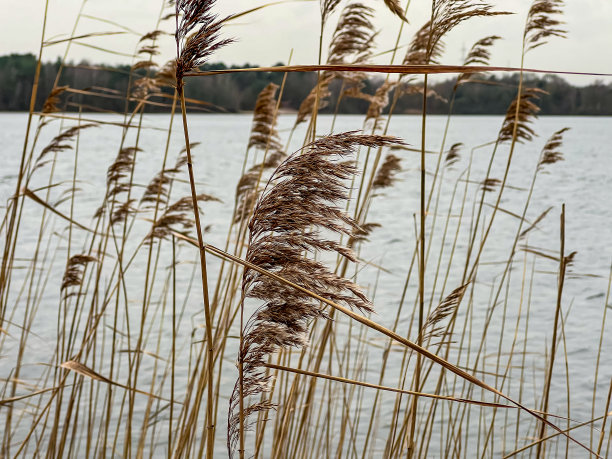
x,y
236,92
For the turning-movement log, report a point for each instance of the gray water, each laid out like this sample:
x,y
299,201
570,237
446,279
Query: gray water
x,y
583,182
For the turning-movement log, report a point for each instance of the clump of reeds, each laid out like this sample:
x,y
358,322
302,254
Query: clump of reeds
x,y
296,212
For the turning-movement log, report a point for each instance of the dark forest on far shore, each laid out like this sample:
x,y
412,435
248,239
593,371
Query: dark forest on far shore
x,y
487,94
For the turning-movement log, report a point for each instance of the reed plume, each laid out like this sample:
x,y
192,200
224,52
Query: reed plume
x,y
327,8
50,105
121,212
73,275
120,170
148,51
307,106
541,23
427,45
378,102
264,134
433,327
479,54
354,36
247,190
521,116
301,201
551,153
193,49
178,217
387,172
395,8
452,156
118,182
60,142
166,75
489,184
158,189
352,43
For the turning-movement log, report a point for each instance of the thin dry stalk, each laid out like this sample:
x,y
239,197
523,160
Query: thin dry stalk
x,y
192,50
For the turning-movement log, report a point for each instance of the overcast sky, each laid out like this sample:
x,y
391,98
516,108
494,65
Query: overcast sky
x,y
268,36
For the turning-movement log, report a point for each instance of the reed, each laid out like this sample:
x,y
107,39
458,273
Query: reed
x,y
381,290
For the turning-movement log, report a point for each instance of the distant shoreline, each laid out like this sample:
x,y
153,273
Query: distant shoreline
x,y
294,112
97,87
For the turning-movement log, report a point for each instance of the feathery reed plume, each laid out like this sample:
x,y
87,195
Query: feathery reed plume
x,y
432,327
379,101
116,184
395,8
158,189
120,169
73,275
452,156
144,87
327,8
354,35
60,142
300,201
153,35
387,172
550,152
479,53
527,112
182,159
489,184
246,189
365,229
264,134
121,212
307,105
145,64
151,50
166,76
351,43
541,24
194,48
50,105
421,51
427,45
178,217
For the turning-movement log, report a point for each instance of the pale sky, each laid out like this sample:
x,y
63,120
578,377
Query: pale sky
x,y
268,36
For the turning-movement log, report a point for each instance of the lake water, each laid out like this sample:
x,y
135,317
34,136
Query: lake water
x,y
583,182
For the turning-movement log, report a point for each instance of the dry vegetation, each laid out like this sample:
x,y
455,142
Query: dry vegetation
x,y
133,372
